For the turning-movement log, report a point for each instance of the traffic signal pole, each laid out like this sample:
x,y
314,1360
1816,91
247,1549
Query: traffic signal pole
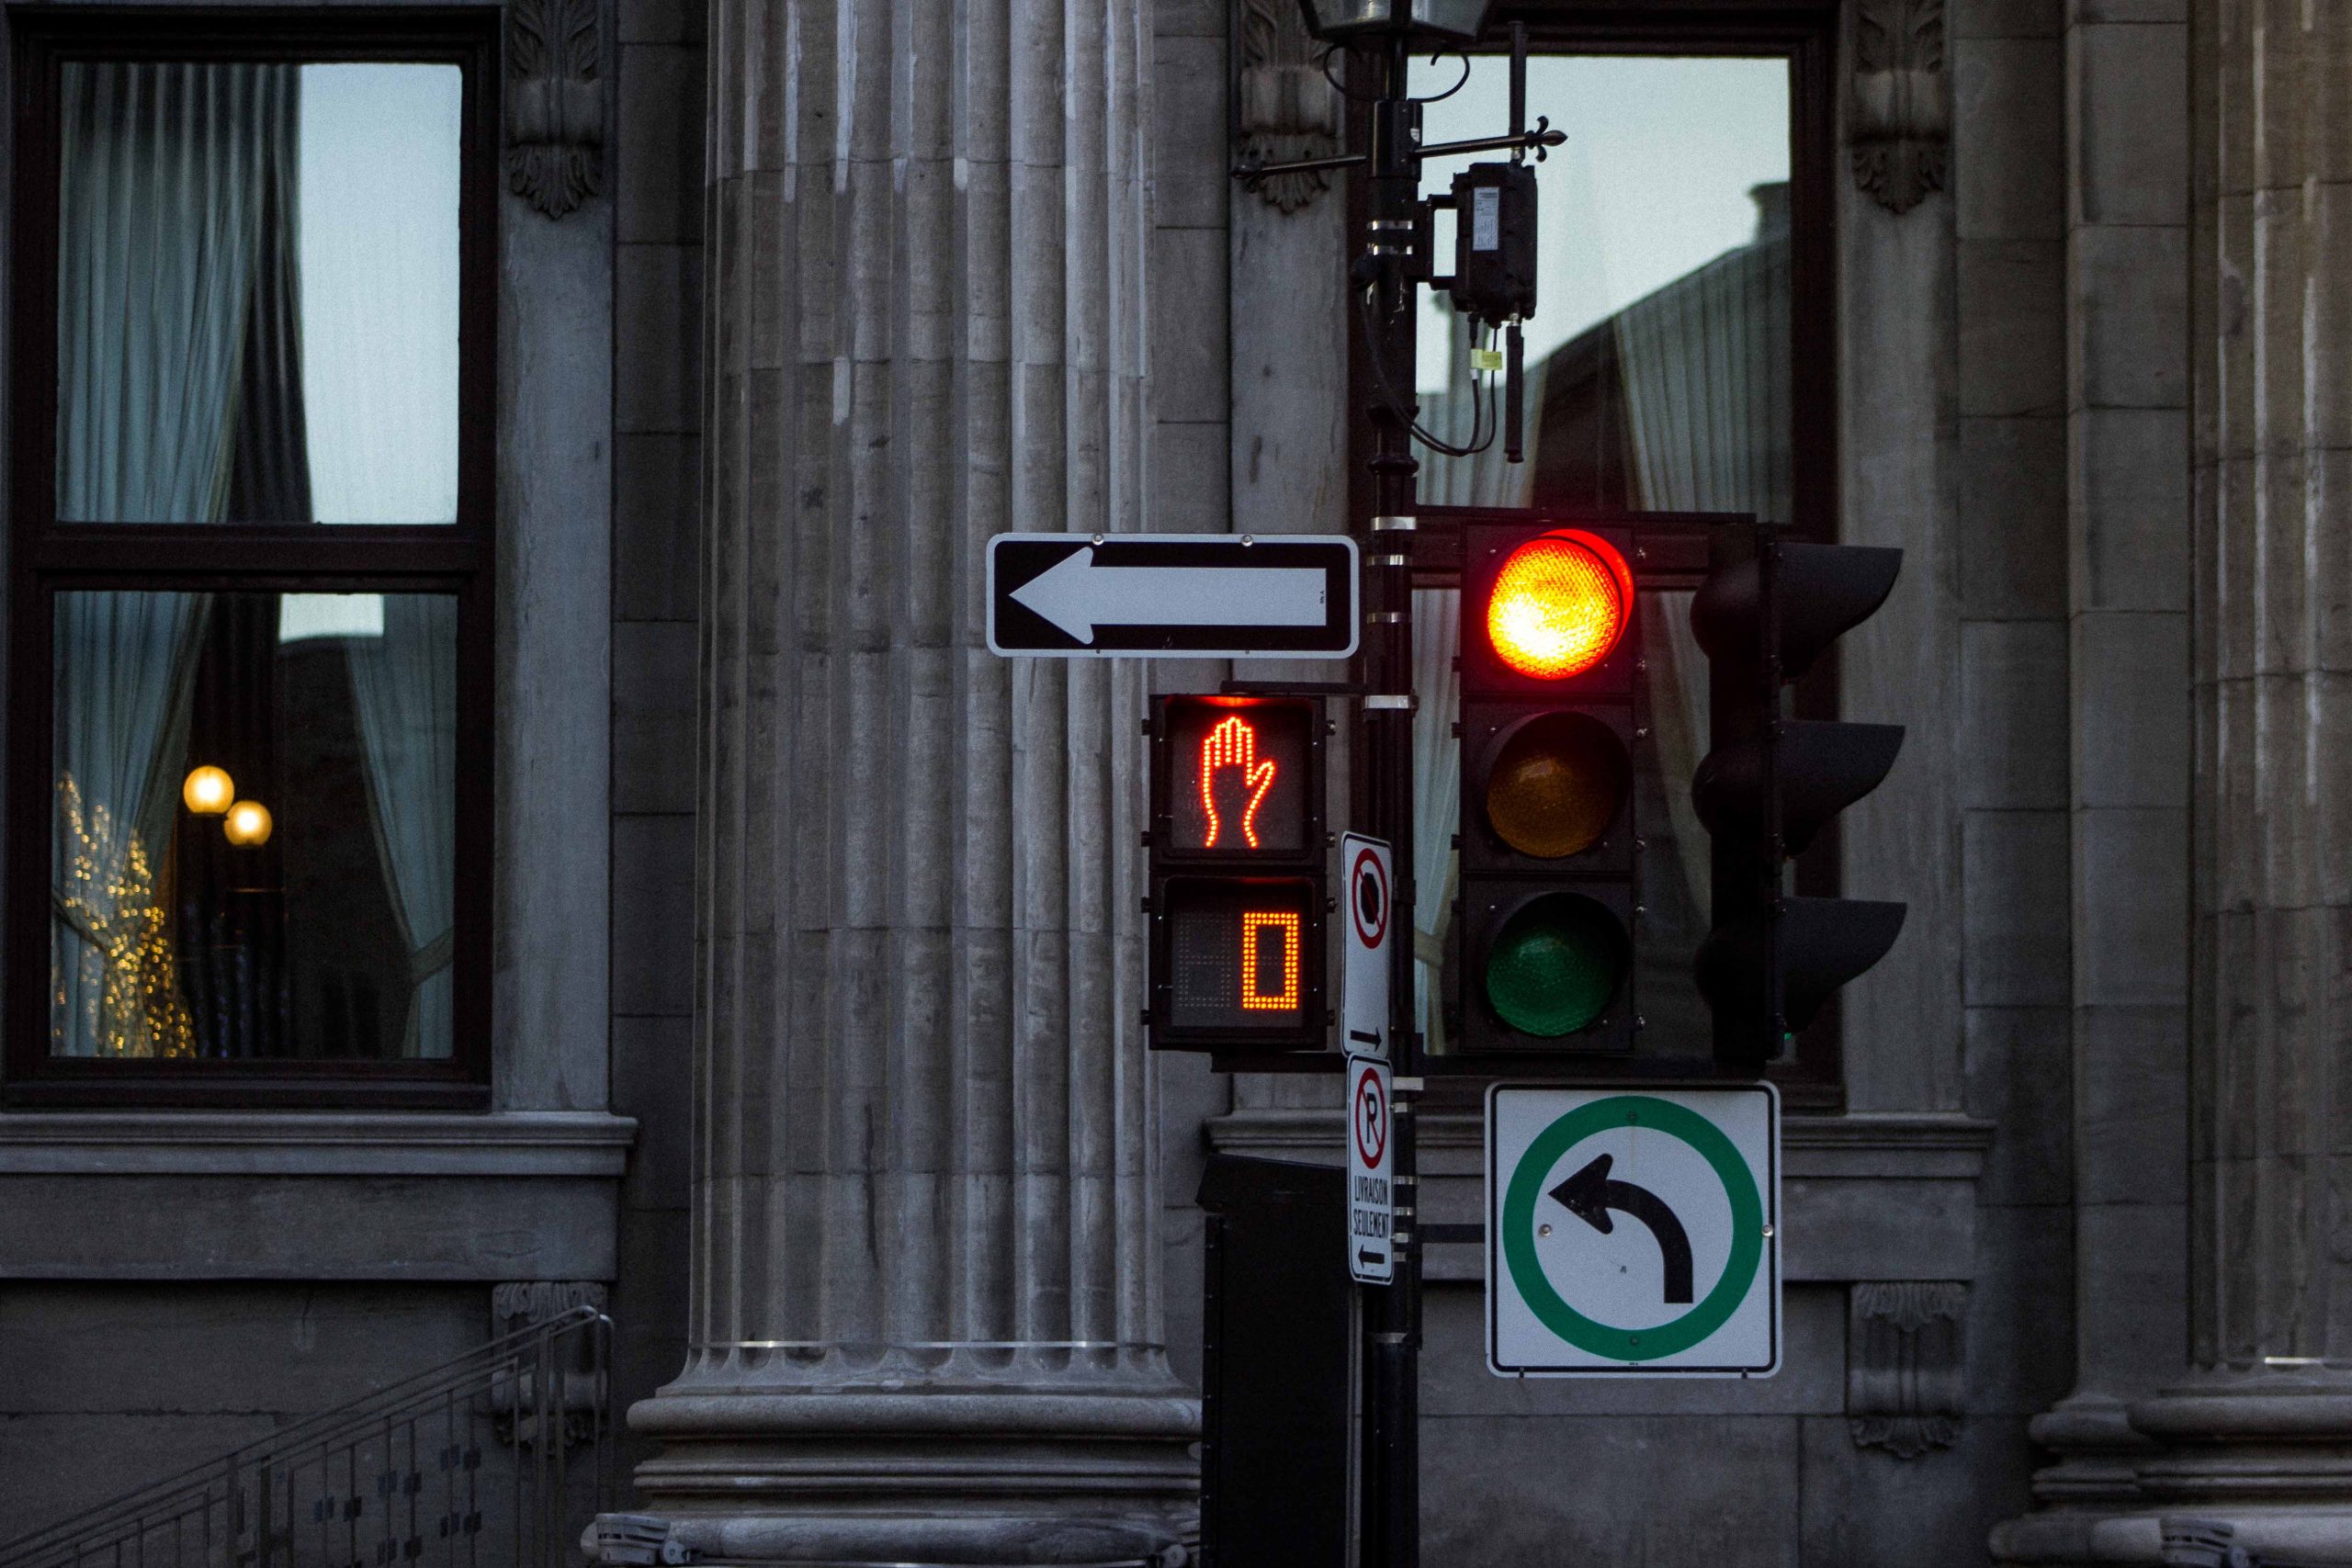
x,y
1390,1528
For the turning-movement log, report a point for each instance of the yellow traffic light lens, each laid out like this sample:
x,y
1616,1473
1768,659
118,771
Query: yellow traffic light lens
x,y
1556,785
1559,604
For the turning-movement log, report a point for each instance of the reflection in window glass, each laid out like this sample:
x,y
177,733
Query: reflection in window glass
x,y
253,845
1657,380
1657,361
257,293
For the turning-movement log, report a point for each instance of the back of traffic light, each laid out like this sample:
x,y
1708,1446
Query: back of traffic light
x,y
1550,709
1767,611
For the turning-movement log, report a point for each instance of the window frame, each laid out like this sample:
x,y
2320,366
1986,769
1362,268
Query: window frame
x,y
46,557
1810,1077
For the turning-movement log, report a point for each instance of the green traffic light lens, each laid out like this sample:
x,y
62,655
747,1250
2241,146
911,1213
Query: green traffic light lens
x,y
1556,964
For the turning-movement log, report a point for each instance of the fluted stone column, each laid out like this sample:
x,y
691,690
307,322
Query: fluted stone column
x,y
925,1311
2261,1433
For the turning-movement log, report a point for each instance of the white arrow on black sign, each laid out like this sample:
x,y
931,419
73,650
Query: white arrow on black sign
x,y
1172,596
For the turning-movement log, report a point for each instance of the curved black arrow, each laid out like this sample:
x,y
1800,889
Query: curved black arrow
x,y
1590,1194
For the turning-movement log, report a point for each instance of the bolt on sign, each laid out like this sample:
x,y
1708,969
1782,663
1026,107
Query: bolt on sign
x,y
1238,873
1633,1231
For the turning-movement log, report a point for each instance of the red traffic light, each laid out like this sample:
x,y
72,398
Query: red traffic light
x,y
1559,604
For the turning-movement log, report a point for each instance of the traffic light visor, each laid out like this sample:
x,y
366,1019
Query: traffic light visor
x,y
1556,964
1559,604
1557,784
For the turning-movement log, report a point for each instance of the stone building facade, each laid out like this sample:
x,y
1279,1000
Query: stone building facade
x,y
814,960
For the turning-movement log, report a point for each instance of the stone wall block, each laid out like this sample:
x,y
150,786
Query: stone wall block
x,y
1188,315
2130,292
2012,318
2235,560
653,1062
660,149
2013,504
2287,776
657,326
2133,1108
656,531
2128,10
2330,717
2131,499
1190,183
2018,1335
2014,866
2006,140
1739,1510
653,925
2008,19
2130,942
1189,482
2130,157
2013,735
654,715
2130,735
2138,1295
2020,1078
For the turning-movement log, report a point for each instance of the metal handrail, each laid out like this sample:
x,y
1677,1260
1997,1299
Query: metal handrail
x,y
236,1510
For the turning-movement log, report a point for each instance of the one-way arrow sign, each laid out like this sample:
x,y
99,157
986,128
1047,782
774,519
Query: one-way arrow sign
x,y
1172,596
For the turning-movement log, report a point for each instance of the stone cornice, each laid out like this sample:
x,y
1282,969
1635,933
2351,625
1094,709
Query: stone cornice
x,y
329,1144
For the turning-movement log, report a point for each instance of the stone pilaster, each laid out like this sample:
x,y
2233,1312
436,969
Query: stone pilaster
x,y
2261,1434
925,1306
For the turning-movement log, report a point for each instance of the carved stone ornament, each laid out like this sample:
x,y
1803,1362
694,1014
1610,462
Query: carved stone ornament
x,y
1285,107
1905,1385
555,104
1900,123
579,1377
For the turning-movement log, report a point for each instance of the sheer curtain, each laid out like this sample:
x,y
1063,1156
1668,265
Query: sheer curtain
x,y
407,685
382,402
166,175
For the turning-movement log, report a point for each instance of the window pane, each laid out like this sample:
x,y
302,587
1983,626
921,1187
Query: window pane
x,y
257,293
254,851
1657,360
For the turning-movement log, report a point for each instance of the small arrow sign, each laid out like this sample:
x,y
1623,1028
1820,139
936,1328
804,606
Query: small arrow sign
x,y
1590,1193
1172,596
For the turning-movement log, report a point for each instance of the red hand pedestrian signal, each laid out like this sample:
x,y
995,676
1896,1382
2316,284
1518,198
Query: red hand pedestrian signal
x,y
1229,767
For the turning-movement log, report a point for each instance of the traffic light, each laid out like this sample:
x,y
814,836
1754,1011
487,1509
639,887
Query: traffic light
x,y
1550,652
1238,873
1768,609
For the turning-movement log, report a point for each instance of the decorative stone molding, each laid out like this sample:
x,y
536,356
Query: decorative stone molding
x,y
1899,122
1285,107
1905,1389
518,1304
580,1372
555,103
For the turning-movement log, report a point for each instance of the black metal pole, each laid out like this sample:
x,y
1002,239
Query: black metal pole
x,y
1391,1518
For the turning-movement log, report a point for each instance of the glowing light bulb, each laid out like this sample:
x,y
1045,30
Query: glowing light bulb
x,y
248,824
1559,604
208,791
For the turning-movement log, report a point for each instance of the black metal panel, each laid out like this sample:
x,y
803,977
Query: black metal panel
x,y
1277,1355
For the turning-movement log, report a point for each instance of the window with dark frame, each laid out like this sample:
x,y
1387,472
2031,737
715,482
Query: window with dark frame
x,y
1686,365
252,457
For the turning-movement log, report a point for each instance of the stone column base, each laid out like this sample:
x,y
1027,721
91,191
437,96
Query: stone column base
x,y
770,1466
2267,1453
